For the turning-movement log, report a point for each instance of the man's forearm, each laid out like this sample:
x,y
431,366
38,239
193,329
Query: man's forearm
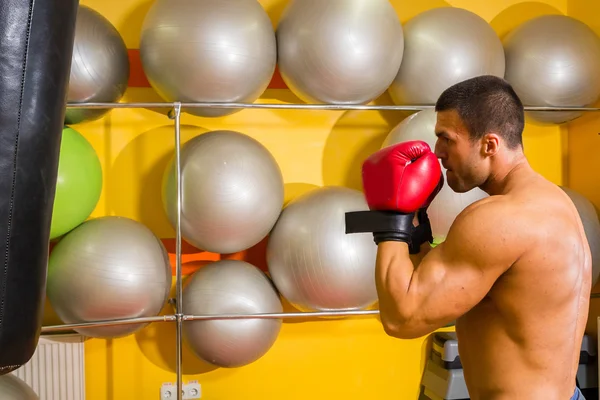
x,y
393,274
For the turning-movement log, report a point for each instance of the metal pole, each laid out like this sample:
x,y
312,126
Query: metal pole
x,y
178,282
113,322
173,318
285,315
276,106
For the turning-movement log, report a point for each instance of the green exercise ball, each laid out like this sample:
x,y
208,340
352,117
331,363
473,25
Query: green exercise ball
x,y
78,185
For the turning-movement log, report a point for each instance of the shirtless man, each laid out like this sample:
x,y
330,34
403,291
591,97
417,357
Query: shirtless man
x,y
515,268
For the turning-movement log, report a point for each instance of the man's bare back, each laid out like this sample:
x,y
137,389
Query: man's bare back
x,y
522,340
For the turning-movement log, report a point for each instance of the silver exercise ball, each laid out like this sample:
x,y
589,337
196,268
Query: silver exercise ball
x,y
99,67
230,287
14,388
591,226
339,51
108,268
448,204
554,60
444,46
314,264
232,191
208,51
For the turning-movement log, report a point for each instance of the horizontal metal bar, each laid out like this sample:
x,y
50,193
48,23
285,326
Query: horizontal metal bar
x,y
173,318
128,321
250,105
339,107
120,105
285,315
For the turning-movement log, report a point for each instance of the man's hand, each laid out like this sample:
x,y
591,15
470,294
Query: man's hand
x,y
397,180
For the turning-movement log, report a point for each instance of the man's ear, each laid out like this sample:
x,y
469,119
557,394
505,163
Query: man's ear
x,y
490,144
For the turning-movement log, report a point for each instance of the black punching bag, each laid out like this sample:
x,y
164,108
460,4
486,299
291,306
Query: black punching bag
x,y
36,47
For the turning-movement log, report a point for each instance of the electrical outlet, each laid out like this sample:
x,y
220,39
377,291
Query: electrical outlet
x,y
168,391
191,391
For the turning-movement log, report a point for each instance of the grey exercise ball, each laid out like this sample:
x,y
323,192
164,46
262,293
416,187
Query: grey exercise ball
x,y
591,226
108,268
339,51
554,60
232,191
230,287
14,388
448,204
444,46
314,264
99,67
208,51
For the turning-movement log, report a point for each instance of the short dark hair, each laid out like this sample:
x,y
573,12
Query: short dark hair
x,y
485,104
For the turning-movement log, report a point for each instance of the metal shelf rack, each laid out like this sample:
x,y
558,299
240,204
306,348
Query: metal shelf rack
x,y
179,316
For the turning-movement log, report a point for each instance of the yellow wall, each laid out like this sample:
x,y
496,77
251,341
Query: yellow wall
x,y
312,148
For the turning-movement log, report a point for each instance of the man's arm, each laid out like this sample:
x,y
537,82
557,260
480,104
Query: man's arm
x,y
453,277
425,248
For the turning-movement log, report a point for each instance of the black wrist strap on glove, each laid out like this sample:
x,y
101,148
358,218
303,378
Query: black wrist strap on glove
x,y
421,233
385,225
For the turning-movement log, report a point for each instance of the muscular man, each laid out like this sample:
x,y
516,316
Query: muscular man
x,y
515,268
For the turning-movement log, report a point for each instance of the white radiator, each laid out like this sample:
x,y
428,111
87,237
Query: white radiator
x,y
57,369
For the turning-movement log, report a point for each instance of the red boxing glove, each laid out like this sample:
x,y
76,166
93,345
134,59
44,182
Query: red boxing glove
x,y
399,181
401,177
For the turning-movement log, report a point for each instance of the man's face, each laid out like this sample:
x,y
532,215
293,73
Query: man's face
x,y
460,156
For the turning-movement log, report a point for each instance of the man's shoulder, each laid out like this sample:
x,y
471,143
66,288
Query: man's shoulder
x,y
494,220
488,235
515,219
490,207
503,209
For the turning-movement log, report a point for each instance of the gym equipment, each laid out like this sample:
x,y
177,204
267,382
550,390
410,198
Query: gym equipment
x,y
231,286
108,268
13,388
339,51
591,226
443,377
78,185
208,51
100,66
232,191
444,46
587,371
314,264
33,91
446,206
553,60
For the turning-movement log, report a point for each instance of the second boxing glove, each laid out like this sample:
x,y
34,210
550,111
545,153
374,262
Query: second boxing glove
x,y
398,180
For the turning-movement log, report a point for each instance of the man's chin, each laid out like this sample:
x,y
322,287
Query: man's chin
x,y
457,187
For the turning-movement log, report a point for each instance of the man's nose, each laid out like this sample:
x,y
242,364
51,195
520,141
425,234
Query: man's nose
x,y
437,150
